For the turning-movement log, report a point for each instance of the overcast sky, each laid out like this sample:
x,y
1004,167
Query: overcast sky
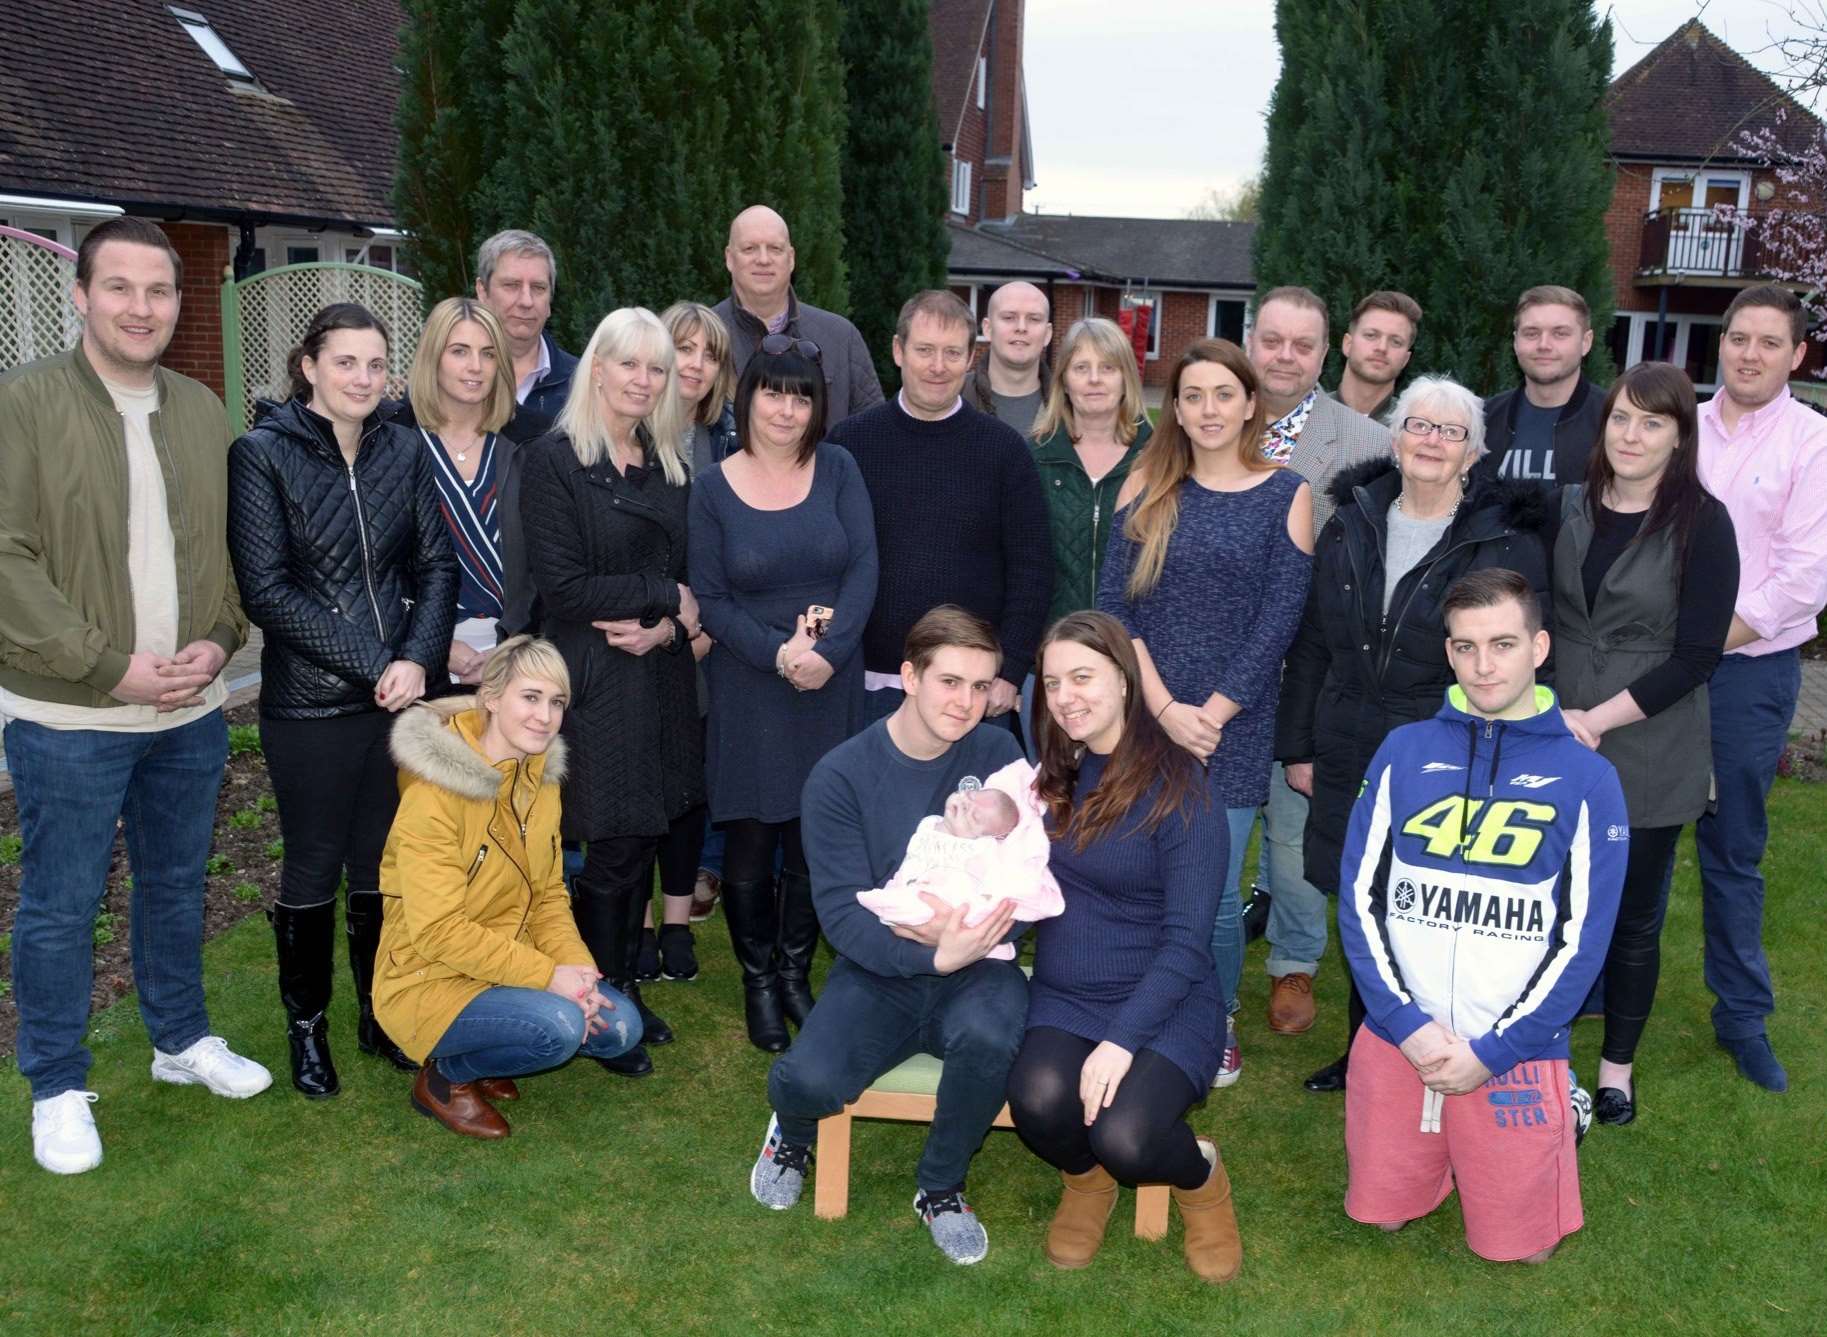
x,y
1139,108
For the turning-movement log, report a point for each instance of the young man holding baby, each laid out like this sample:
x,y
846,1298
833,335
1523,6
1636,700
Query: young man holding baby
x,y
896,992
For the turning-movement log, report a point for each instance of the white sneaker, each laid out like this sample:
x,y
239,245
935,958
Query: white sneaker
x,y
210,1062
64,1140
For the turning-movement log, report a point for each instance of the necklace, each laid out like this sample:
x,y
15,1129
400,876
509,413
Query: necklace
x,y
1449,514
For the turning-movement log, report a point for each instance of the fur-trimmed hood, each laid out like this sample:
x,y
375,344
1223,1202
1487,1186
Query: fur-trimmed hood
x,y
436,741
1517,505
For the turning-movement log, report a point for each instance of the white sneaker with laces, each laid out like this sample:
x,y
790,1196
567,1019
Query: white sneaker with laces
x,y
210,1062
64,1140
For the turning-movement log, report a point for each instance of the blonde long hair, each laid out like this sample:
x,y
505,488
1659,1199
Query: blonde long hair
x,y
630,331
422,380
1167,461
1107,341
684,319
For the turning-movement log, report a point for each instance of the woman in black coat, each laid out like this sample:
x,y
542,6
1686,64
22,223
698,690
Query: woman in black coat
x,y
603,502
345,564
1371,651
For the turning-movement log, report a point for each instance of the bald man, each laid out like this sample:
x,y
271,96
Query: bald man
x,y
1011,380
762,302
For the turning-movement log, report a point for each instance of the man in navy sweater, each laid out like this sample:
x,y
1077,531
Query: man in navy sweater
x,y
896,992
960,517
1478,890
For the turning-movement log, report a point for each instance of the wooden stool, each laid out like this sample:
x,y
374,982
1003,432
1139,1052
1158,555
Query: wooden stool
x,y
909,1094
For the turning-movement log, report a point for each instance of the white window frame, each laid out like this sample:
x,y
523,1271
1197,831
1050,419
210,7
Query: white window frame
x,y
961,186
983,79
1642,325
1156,298
206,37
1090,301
1211,310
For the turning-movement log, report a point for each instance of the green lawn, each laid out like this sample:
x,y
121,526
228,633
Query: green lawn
x,y
622,1207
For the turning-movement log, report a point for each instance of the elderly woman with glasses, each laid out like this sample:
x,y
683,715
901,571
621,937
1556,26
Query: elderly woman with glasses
x,y
1371,651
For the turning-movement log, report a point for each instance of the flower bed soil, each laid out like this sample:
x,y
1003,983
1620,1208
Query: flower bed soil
x,y
243,877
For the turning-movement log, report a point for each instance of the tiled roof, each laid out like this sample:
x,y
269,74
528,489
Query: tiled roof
x,y
957,31
116,103
1162,252
1692,98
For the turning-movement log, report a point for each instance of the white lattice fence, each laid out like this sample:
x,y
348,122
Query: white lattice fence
x,y
264,316
36,316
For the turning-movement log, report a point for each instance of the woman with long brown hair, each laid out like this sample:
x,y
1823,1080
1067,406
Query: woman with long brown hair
x,y
1208,571
1123,1012
1645,567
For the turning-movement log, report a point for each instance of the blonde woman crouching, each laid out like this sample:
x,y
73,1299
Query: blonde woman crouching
x,y
481,975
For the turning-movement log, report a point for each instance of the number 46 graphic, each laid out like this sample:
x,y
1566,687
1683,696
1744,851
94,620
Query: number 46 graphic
x,y
1509,835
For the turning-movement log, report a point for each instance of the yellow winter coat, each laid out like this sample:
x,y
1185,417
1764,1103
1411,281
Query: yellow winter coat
x,y
473,878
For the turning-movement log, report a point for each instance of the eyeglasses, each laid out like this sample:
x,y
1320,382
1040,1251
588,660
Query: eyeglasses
x,y
1449,431
776,344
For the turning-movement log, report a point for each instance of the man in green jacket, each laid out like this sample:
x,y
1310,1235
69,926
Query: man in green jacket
x,y
118,611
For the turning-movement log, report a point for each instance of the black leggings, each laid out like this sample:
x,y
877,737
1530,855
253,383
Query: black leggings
x,y
622,861
337,790
749,845
1634,962
1142,1138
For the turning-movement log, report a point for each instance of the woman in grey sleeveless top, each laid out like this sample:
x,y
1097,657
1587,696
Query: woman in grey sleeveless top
x,y
1645,577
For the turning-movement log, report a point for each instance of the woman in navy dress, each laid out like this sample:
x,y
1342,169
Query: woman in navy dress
x,y
1208,569
1123,1014
782,525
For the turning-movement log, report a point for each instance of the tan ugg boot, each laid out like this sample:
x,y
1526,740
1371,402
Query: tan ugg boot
x,y
1085,1204
1214,1249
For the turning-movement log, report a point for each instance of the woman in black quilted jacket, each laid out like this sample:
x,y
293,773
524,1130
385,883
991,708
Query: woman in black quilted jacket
x,y
344,563
603,504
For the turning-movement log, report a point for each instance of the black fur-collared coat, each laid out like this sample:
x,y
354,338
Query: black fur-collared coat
x,y
1353,672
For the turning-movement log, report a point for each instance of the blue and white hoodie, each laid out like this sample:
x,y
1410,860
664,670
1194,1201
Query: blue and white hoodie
x,y
1480,880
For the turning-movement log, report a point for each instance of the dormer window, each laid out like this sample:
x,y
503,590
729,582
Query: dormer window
x,y
213,46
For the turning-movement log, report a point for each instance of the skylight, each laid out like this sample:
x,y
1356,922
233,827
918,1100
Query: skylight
x,y
213,46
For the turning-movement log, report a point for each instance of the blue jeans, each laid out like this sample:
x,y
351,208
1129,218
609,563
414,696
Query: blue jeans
x,y
864,1024
506,1031
1297,908
1753,702
1227,928
72,785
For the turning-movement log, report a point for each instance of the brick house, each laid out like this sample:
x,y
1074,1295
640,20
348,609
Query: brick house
x,y
211,118
1676,120
1196,276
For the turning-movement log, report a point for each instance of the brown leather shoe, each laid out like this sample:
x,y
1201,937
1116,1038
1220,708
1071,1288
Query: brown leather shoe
x,y
1085,1205
1214,1249
1291,1010
461,1108
497,1088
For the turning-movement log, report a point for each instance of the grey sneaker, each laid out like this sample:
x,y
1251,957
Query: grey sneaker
x,y
780,1171
955,1227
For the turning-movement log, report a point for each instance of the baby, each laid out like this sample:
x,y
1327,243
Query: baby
x,y
988,847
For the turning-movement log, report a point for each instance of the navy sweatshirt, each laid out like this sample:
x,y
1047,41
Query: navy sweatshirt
x,y
859,809
960,518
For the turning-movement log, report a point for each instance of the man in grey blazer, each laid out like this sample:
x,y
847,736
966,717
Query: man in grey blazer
x,y
1316,436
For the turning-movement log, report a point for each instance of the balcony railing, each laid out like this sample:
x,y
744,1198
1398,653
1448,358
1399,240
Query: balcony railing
x,y
1707,243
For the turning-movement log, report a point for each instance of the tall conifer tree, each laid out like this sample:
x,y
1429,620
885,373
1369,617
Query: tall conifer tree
x,y
1456,152
894,170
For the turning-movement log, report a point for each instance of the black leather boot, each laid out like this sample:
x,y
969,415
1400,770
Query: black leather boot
x,y
362,923
305,942
798,941
600,923
754,920
634,900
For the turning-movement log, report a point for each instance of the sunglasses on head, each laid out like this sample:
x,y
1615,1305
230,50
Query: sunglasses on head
x,y
776,344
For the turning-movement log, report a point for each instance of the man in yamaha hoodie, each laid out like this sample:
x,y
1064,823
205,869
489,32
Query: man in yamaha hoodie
x,y
1479,885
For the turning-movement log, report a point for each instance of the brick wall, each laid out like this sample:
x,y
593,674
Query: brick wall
x,y
196,346
972,132
1001,195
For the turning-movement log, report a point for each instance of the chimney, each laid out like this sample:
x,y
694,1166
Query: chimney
x,y
1003,169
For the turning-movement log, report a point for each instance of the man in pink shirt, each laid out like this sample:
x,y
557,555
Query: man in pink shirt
x,y
1764,454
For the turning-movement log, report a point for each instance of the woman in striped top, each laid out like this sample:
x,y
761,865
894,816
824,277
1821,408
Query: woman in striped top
x,y
461,396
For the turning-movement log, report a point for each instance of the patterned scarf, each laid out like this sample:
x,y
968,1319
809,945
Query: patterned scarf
x,y
1279,438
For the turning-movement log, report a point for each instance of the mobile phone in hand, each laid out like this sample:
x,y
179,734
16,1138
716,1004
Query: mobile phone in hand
x,y
818,620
